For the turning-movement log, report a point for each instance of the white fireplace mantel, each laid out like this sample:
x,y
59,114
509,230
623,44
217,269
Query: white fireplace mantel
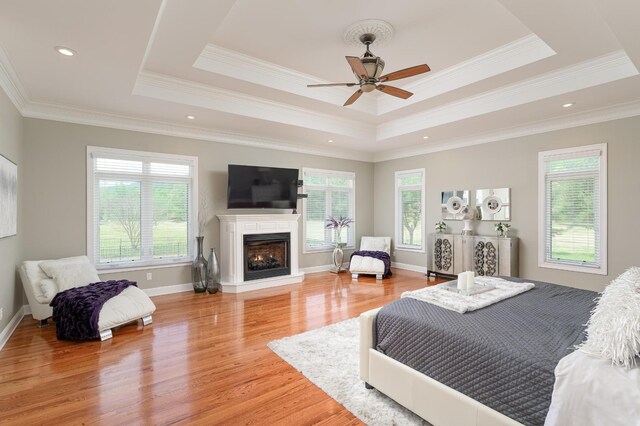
x,y
233,228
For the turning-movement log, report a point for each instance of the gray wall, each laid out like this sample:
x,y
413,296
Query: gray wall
x,y
55,184
10,247
514,163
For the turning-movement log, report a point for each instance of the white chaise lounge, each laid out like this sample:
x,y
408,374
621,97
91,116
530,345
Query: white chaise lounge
x,y
130,305
369,265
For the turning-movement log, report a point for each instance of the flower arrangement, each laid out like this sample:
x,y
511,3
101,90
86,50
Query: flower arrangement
x,y
338,224
502,229
440,226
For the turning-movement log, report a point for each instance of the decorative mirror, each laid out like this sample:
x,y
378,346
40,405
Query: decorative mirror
x,y
494,204
453,203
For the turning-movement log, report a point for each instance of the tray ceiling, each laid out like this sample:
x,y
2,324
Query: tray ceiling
x,y
500,68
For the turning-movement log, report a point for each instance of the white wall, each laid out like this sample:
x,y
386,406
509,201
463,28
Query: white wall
x,y
514,163
55,187
11,293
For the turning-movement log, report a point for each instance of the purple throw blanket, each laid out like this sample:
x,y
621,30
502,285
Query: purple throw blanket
x,y
380,255
76,311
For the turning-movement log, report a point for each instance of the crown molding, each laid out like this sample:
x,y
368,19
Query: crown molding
x,y
505,58
236,65
604,69
100,119
247,68
10,82
154,34
595,116
171,89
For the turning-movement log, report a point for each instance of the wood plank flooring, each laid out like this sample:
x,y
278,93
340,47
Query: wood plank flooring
x,y
203,361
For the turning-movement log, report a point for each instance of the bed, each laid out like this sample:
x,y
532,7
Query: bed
x,y
493,366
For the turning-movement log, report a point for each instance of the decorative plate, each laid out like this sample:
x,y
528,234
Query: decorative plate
x,y
454,205
492,204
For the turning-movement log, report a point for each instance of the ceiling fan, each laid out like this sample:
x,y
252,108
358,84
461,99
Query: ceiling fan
x,y
367,70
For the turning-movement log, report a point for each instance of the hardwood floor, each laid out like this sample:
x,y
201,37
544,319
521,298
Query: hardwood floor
x,y
204,360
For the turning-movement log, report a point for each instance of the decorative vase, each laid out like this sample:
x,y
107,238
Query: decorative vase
x,y
338,257
199,269
213,273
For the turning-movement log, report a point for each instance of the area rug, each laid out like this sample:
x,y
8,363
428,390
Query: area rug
x,y
329,358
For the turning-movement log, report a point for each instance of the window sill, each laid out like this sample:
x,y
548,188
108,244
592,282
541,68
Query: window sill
x,y
116,269
602,270
410,249
325,250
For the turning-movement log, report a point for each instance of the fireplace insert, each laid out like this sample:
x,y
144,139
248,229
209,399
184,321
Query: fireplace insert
x,y
266,255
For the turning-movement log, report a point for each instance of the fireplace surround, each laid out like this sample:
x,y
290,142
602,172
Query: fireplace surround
x,y
235,274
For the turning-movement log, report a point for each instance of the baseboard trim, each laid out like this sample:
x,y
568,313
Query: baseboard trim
x,y
169,289
314,269
11,327
409,267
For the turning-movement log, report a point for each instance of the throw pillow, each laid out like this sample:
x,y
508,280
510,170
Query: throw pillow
x,y
375,244
49,289
70,272
613,331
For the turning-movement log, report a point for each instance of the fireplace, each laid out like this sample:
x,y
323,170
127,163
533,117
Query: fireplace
x,y
266,255
233,267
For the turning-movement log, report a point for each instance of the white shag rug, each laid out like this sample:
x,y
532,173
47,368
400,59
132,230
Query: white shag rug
x,y
329,358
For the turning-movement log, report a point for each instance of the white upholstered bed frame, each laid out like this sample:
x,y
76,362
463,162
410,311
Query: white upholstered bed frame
x,y
431,400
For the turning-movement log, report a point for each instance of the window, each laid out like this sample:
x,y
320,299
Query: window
x,y
140,207
409,211
330,194
572,224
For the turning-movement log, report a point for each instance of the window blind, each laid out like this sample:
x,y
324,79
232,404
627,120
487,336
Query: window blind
x,y
141,207
409,209
330,194
573,206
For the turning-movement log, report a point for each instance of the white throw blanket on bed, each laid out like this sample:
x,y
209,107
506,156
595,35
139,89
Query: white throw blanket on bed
x,y
437,295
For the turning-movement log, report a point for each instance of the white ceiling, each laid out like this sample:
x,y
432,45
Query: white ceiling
x,y
500,68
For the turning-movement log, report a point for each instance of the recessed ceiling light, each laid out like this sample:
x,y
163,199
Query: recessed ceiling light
x,y
65,51
191,117
567,105
425,137
330,141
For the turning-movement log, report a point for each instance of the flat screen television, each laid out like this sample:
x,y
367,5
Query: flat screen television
x,y
256,187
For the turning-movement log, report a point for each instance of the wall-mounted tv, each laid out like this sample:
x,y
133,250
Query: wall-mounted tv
x,y
256,187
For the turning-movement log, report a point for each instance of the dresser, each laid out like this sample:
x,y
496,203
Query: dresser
x,y
451,254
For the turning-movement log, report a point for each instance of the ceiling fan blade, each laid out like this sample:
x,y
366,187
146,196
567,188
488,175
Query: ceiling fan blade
x,y
407,72
356,65
394,91
332,84
353,97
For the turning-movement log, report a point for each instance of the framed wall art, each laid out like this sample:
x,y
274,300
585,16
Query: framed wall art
x,y
8,197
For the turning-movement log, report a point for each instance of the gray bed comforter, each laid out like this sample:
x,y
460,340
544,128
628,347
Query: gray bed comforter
x,y
503,356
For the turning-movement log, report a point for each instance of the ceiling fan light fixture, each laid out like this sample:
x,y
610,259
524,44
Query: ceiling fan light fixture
x,y
374,66
368,87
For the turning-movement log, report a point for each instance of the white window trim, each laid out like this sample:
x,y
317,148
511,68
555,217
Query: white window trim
x,y
352,211
138,265
398,221
542,262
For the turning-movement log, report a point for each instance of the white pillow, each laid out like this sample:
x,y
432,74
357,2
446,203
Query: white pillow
x,y
613,331
48,289
374,244
70,272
